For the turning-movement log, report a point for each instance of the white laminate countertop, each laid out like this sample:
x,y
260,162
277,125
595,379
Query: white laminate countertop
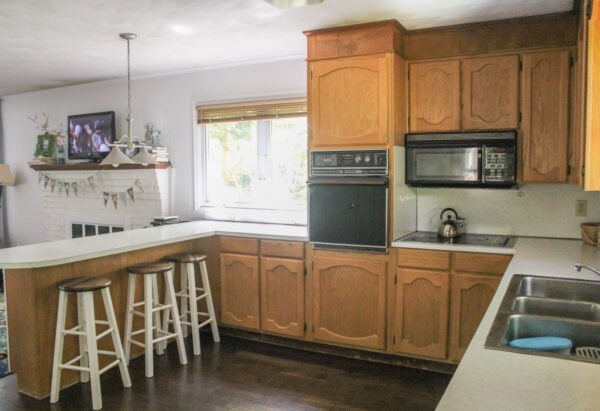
x,y
71,250
498,380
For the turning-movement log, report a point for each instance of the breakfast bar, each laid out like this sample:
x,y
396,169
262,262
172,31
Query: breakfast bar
x,y
33,271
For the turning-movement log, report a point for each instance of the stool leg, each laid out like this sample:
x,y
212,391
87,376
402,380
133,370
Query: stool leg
x,y
116,339
159,326
185,289
129,317
209,302
148,305
58,346
92,348
84,376
175,312
191,295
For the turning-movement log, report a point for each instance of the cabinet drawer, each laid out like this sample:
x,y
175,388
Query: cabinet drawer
x,y
238,245
409,257
481,263
289,249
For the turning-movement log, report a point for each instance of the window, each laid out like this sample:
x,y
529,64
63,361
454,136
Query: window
x,y
253,161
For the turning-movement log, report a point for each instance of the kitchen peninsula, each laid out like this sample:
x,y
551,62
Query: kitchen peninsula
x,y
32,272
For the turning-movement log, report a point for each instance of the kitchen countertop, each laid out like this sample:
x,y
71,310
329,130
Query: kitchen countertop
x,y
485,379
498,380
71,250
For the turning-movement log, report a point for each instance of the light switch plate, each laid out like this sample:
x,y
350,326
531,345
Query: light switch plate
x,y
580,208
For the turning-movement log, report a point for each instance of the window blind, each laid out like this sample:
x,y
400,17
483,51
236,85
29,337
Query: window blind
x,y
257,110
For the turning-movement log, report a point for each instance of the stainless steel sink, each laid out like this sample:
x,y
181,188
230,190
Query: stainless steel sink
x,y
560,288
539,306
577,310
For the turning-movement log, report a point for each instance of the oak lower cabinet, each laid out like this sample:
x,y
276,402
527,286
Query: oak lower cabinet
x,y
262,285
349,299
421,308
282,287
440,299
240,282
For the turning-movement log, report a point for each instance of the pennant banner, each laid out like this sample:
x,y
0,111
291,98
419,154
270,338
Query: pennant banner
x,y
90,182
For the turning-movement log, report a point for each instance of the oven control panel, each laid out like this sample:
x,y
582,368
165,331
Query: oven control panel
x,y
349,162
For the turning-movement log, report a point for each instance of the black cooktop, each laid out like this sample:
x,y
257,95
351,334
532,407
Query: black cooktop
x,y
485,240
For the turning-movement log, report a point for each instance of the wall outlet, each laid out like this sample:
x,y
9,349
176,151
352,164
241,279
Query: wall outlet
x,y
580,208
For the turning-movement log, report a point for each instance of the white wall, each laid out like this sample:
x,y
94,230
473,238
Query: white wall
x,y
165,101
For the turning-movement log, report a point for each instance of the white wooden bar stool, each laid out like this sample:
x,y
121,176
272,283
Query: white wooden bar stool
x,y
190,294
152,330
85,330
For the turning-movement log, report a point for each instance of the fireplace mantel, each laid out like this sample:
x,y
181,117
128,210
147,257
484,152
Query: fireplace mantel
x,y
94,166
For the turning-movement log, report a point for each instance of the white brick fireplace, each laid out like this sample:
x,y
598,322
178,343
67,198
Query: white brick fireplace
x,y
100,196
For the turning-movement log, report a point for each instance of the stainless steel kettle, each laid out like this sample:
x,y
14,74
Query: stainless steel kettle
x,y
450,227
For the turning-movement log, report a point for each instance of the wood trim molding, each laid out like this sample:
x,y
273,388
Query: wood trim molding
x,y
499,36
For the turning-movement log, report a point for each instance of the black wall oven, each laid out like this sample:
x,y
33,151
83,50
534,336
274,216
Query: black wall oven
x,y
348,199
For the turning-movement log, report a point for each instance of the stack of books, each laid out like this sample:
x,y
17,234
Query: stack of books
x,y
160,154
41,161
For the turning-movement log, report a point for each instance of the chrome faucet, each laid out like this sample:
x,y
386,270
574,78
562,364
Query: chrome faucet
x,y
579,266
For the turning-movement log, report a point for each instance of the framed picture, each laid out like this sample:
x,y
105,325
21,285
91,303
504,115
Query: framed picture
x,y
44,146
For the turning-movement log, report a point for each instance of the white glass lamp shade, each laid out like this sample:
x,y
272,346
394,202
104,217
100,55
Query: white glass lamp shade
x,y
115,158
143,157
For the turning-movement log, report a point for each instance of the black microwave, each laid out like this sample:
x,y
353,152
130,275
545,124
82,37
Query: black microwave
x,y
469,159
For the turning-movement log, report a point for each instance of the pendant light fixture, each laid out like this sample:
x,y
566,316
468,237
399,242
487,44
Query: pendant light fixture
x,y
116,156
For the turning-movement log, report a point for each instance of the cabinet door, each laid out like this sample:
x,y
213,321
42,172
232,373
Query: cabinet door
x,y
435,96
282,296
239,290
421,312
349,301
545,116
470,295
490,94
349,101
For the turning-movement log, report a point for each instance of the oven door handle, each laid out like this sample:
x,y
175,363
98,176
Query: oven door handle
x,y
374,181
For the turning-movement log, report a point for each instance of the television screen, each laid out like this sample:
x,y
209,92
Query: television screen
x,y
90,135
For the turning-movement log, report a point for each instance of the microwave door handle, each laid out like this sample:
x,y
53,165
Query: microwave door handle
x,y
482,164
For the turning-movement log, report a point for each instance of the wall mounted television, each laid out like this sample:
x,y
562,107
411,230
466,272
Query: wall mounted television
x,y
90,134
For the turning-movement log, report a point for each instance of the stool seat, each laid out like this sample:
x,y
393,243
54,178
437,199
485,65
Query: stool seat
x,y
150,268
83,284
186,258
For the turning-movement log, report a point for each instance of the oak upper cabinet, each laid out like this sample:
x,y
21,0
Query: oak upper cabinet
x,y
545,124
282,287
356,86
239,282
470,94
474,280
435,96
421,303
490,94
349,101
349,297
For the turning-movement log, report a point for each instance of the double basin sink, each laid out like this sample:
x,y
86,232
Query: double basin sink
x,y
542,306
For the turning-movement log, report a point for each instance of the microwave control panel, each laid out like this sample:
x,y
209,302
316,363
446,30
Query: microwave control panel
x,y
498,164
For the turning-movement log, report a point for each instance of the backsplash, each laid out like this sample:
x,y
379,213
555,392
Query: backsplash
x,y
539,210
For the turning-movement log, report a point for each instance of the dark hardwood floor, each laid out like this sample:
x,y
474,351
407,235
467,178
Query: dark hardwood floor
x,y
238,374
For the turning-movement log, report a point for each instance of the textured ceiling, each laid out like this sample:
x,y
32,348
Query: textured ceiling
x,y
53,43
